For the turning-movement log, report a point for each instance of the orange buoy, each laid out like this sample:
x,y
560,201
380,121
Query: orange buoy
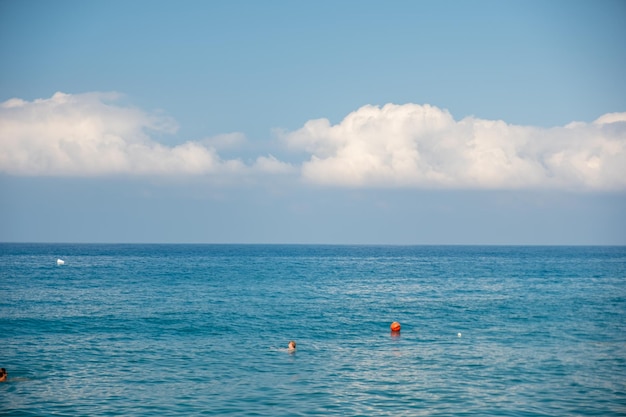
x,y
395,326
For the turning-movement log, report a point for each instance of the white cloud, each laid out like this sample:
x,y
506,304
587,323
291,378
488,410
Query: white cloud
x,y
270,164
391,146
423,146
91,135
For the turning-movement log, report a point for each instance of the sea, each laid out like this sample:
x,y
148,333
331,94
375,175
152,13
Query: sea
x,y
203,330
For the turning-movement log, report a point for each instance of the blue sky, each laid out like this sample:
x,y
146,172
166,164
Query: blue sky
x,y
401,122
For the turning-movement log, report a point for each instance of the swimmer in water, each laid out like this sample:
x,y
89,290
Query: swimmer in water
x,y
3,375
292,346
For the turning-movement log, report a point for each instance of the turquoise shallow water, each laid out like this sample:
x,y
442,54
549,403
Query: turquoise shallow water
x,y
179,330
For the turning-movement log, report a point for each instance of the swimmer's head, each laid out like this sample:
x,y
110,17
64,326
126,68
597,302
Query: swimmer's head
x,y
292,345
3,374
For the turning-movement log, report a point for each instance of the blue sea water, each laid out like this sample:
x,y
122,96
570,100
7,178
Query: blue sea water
x,y
183,330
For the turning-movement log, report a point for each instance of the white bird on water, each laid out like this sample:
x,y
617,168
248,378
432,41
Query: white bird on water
x,y
60,262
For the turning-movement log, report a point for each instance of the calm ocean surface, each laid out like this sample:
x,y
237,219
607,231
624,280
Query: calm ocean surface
x,y
183,330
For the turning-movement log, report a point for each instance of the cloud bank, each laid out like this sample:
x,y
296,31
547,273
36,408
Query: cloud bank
x,y
423,146
406,145
91,135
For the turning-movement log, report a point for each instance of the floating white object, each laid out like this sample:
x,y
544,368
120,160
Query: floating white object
x,y
60,262
458,334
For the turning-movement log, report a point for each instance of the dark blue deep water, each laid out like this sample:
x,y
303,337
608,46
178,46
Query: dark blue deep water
x,y
183,330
